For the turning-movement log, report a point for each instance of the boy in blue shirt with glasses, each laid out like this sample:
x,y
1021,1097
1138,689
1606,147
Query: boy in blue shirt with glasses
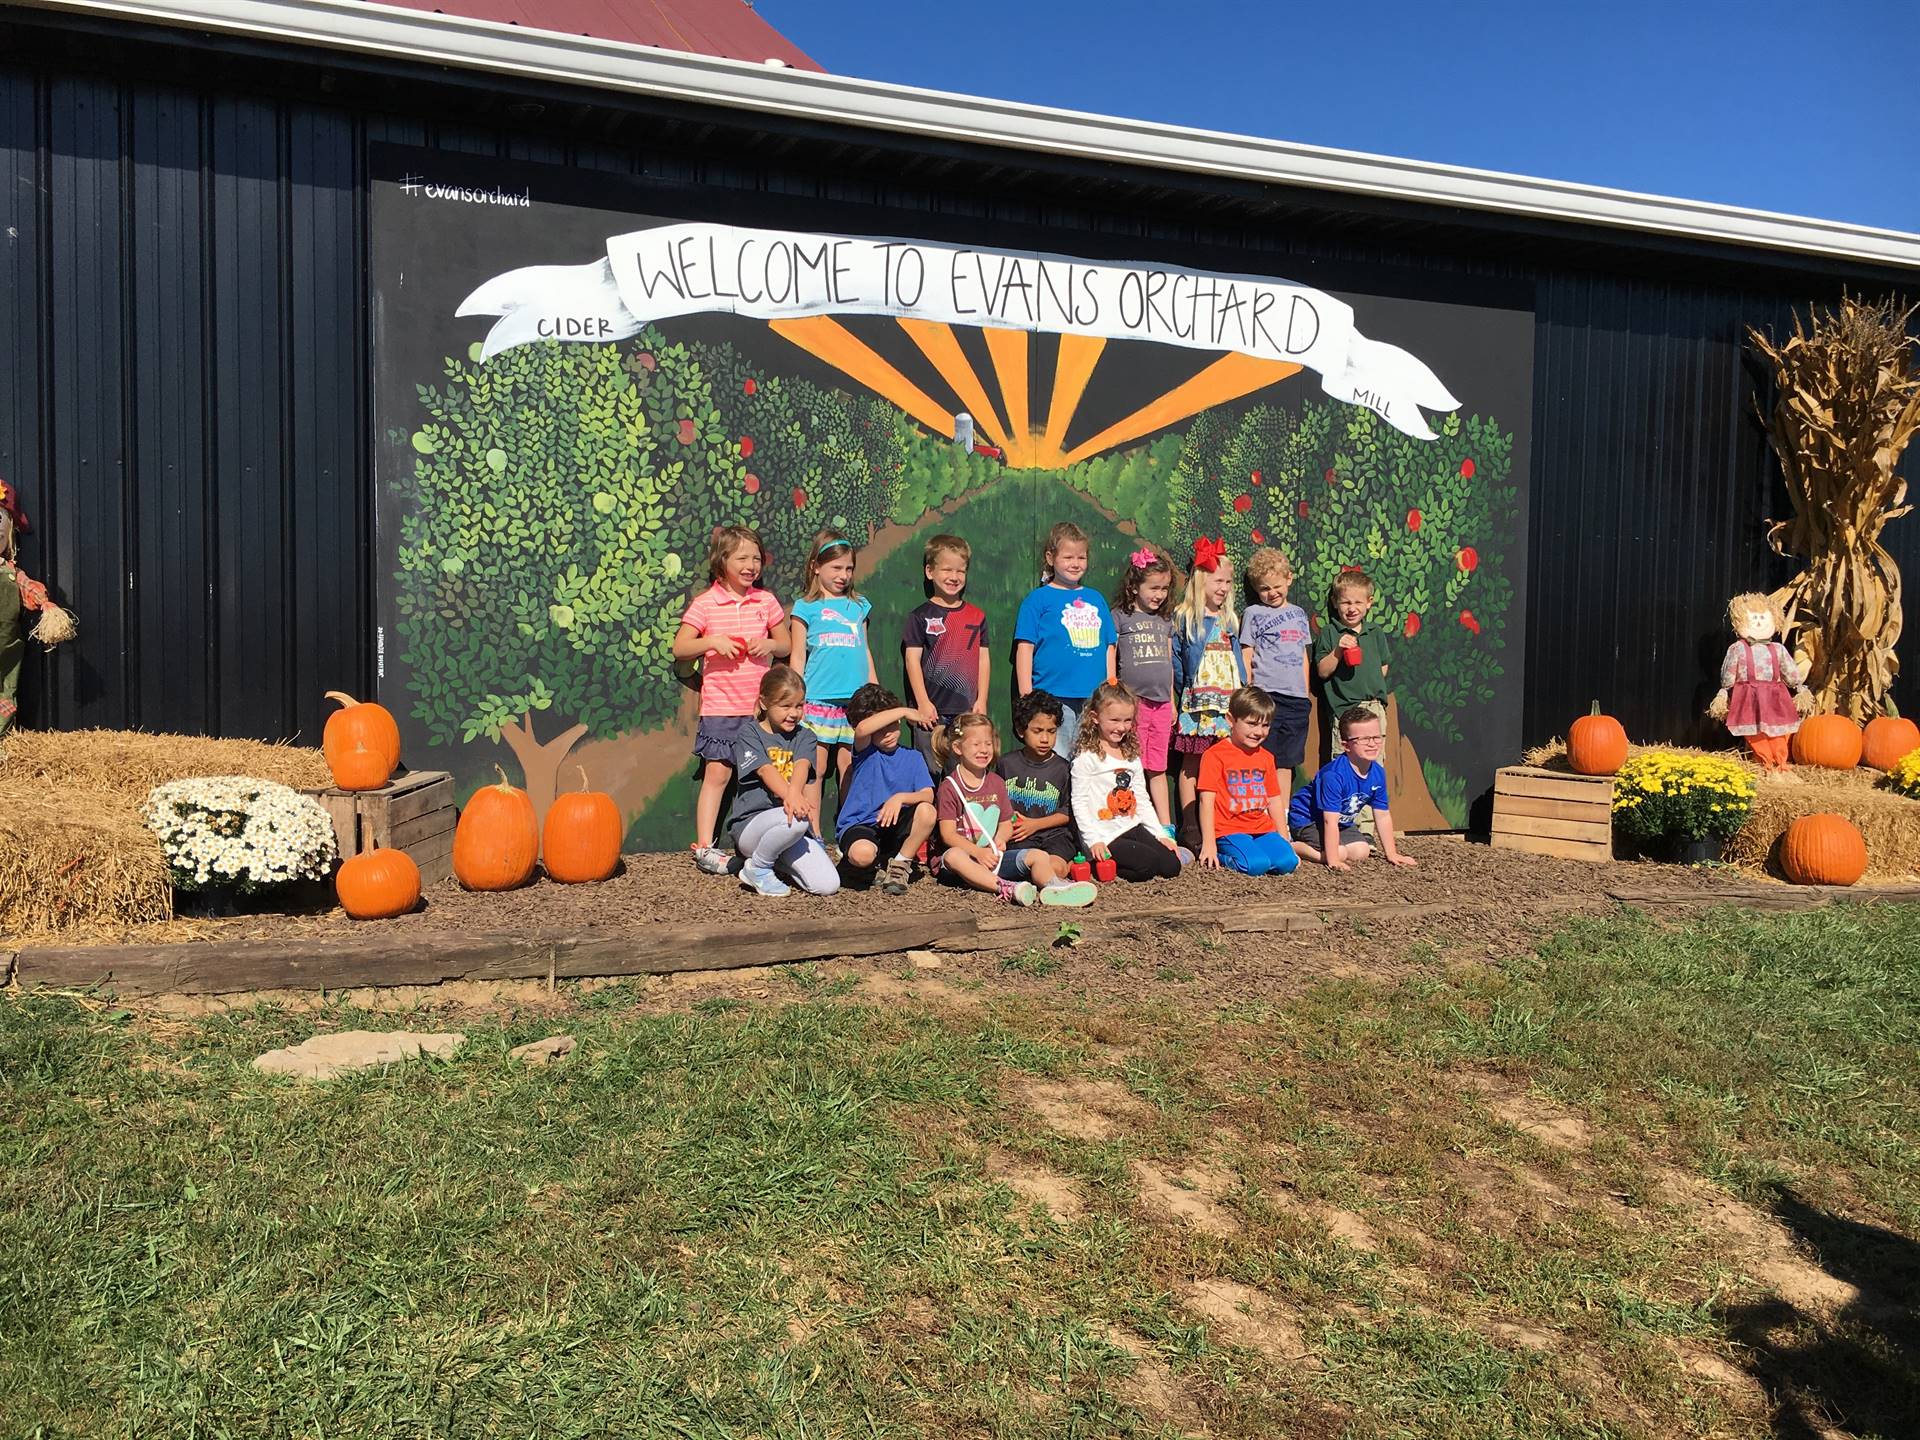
x,y
1323,817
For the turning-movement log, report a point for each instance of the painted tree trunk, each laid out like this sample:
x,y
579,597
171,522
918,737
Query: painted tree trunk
x,y
540,761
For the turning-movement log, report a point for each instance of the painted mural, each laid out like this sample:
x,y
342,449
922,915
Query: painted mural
x,y
572,395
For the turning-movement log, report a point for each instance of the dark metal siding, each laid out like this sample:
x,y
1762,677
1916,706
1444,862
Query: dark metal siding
x,y
183,380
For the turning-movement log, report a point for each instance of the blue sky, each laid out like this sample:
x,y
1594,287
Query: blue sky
x,y
1811,109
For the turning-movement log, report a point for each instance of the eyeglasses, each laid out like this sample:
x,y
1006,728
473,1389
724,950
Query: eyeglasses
x,y
1366,739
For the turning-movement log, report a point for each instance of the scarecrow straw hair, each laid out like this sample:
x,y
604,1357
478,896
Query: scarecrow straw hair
x,y
74,853
1888,820
1847,403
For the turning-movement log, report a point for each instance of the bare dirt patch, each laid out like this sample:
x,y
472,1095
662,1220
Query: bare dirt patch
x,y
1083,1109
1189,1196
1532,1115
1249,1318
884,985
1525,1337
1343,1225
1762,1244
1036,1184
1152,1388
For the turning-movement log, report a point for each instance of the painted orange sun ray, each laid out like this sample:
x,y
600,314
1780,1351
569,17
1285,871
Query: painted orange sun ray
x,y
1228,378
942,347
827,339
1009,351
1072,370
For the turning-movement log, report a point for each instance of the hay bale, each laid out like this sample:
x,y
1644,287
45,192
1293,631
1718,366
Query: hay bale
x,y
131,762
77,857
1889,821
74,853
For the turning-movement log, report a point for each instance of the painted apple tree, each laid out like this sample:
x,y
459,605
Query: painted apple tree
x,y
555,520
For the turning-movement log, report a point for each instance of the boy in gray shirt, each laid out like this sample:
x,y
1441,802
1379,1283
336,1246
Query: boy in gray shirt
x,y
1274,640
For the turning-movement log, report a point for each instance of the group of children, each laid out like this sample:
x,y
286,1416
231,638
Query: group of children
x,y
1108,702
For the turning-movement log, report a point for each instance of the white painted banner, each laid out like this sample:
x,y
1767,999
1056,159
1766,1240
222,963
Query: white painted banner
x,y
651,275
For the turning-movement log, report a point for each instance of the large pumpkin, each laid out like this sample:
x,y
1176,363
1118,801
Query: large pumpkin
x,y
1832,742
1888,739
581,841
1823,850
1597,744
361,743
378,884
496,841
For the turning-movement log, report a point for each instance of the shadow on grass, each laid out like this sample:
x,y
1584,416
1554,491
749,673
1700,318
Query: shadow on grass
x,y
1860,1369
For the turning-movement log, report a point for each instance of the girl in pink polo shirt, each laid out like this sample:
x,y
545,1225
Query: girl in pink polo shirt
x,y
737,630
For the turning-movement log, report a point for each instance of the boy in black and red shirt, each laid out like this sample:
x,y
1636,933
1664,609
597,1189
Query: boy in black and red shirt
x,y
944,646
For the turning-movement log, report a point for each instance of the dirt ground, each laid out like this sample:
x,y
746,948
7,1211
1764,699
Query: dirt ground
x,y
666,890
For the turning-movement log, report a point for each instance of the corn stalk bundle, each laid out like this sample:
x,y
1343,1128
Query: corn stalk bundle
x,y
1848,401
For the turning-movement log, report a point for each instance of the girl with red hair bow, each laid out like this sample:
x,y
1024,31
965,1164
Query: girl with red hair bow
x,y
1207,668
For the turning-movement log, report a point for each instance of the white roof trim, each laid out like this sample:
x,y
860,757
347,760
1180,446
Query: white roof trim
x,y
425,37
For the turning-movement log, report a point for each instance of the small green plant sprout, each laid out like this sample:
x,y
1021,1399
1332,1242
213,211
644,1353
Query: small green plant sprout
x,y
1067,936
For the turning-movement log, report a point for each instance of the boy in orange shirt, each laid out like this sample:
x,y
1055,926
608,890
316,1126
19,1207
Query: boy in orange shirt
x,y
1243,808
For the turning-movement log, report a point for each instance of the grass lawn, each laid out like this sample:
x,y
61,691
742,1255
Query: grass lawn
x,y
1644,1181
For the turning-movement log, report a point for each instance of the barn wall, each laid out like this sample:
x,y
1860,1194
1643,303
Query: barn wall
x,y
183,394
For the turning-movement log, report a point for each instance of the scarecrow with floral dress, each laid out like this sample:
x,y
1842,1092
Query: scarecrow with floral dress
x,y
19,593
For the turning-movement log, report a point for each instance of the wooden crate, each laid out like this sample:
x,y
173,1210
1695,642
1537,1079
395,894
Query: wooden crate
x,y
1549,812
414,813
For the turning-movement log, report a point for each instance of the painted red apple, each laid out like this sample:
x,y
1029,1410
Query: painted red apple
x,y
1258,538
1413,521
799,498
1301,509
1466,619
647,362
1330,477
751,484
1412,627
1468,559
687,432
1242,503
746,446
1255,477
1466,469
748,386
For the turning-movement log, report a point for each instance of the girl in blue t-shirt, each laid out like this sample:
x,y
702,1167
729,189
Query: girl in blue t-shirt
x,y
830,630
1063,638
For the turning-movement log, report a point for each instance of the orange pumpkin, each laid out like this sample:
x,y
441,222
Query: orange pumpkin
x,y
1596,743
581,841
361,743
1823,850
1888,739
378,884
496,841
1832,742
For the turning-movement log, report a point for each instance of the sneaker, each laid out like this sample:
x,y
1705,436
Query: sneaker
x,y
833,853
711,861
764,881
893,881
1069,892
1186,855
1018,892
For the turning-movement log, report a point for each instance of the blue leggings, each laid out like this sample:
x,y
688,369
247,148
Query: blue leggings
x,y
1268,854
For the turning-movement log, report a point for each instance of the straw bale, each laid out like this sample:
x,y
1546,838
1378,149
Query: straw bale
x,y
74,857
132,762
1888,820
74,854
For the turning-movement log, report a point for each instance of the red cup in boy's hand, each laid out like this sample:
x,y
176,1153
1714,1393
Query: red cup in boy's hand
x,y
1350,651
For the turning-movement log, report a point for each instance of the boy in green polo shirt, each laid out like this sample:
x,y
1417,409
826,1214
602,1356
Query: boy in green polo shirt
x,y
1350,657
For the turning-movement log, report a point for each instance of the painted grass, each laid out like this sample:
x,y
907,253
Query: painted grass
x,y
777,1219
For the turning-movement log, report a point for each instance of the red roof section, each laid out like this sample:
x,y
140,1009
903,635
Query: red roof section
x,y
728,28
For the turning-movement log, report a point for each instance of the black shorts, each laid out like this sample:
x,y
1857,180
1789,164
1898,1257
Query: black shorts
x,y
1312,835
886,839
1287,739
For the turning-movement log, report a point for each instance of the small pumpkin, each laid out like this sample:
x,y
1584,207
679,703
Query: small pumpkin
x,y
1823,849
1888,739
581,840
378,884
361,743
1833,742
496,841
1596,743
